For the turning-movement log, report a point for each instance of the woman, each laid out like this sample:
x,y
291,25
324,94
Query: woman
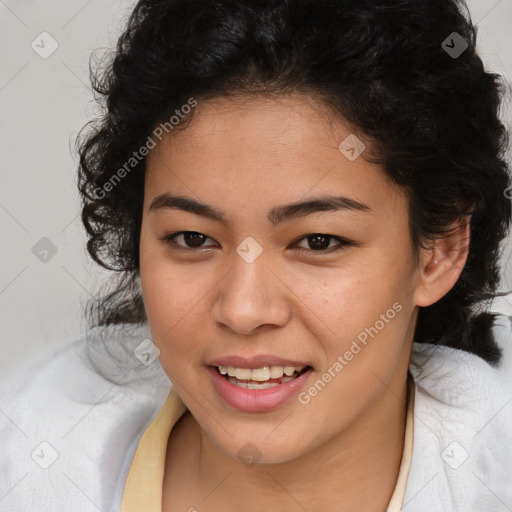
x,y
305,202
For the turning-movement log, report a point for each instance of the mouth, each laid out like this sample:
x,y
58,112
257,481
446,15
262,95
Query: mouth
x,y
265,377
260,388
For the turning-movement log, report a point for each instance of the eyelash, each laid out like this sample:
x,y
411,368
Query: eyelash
x,y
343,243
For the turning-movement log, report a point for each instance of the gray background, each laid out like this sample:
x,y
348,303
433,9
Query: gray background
x,y
43,104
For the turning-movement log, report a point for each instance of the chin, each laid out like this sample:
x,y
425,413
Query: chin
x,y
252,450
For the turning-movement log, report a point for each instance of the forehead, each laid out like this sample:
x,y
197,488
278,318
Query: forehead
x,y
245,122
259,151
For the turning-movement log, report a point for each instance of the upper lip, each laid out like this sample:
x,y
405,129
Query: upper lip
x,y
255,362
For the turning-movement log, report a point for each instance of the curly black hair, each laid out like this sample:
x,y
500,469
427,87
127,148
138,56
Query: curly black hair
x,y
405,73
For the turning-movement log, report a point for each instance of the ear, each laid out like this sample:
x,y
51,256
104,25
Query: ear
x,y
441,263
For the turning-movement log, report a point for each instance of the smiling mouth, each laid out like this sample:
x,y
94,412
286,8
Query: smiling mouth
x,y
260,378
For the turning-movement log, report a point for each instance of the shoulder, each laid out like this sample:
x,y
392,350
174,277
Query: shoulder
x,y
462,429
70,419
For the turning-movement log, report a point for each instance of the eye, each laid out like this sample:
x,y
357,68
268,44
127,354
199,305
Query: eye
x,y
319,243
192,239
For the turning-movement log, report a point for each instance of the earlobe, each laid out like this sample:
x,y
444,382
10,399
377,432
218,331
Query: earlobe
x,y
441,264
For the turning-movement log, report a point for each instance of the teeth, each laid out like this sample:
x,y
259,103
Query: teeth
x,y
289,370
243,373
276,372
260,374
251,385
257,385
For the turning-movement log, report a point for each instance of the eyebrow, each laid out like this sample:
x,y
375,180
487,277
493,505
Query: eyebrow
x,y
276,215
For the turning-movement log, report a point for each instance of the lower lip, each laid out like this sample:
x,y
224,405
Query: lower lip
x,y
256,400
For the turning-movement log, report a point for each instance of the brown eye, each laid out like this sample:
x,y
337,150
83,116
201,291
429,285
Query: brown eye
x,y
191,239
320,243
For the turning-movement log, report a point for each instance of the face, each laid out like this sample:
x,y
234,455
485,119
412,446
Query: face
x,y
248,283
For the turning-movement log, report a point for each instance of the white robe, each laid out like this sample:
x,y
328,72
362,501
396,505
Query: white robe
x,y
71,419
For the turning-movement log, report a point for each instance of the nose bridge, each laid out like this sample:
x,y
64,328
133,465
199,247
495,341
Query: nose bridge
x,y
250,295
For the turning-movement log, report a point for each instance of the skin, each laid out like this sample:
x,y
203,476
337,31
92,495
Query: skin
x,y
341,451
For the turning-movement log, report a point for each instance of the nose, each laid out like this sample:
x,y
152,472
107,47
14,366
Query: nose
x,y
251,298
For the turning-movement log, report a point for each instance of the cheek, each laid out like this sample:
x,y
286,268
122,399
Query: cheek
x,y
172,300
369,343
361,313
174,322
347,299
